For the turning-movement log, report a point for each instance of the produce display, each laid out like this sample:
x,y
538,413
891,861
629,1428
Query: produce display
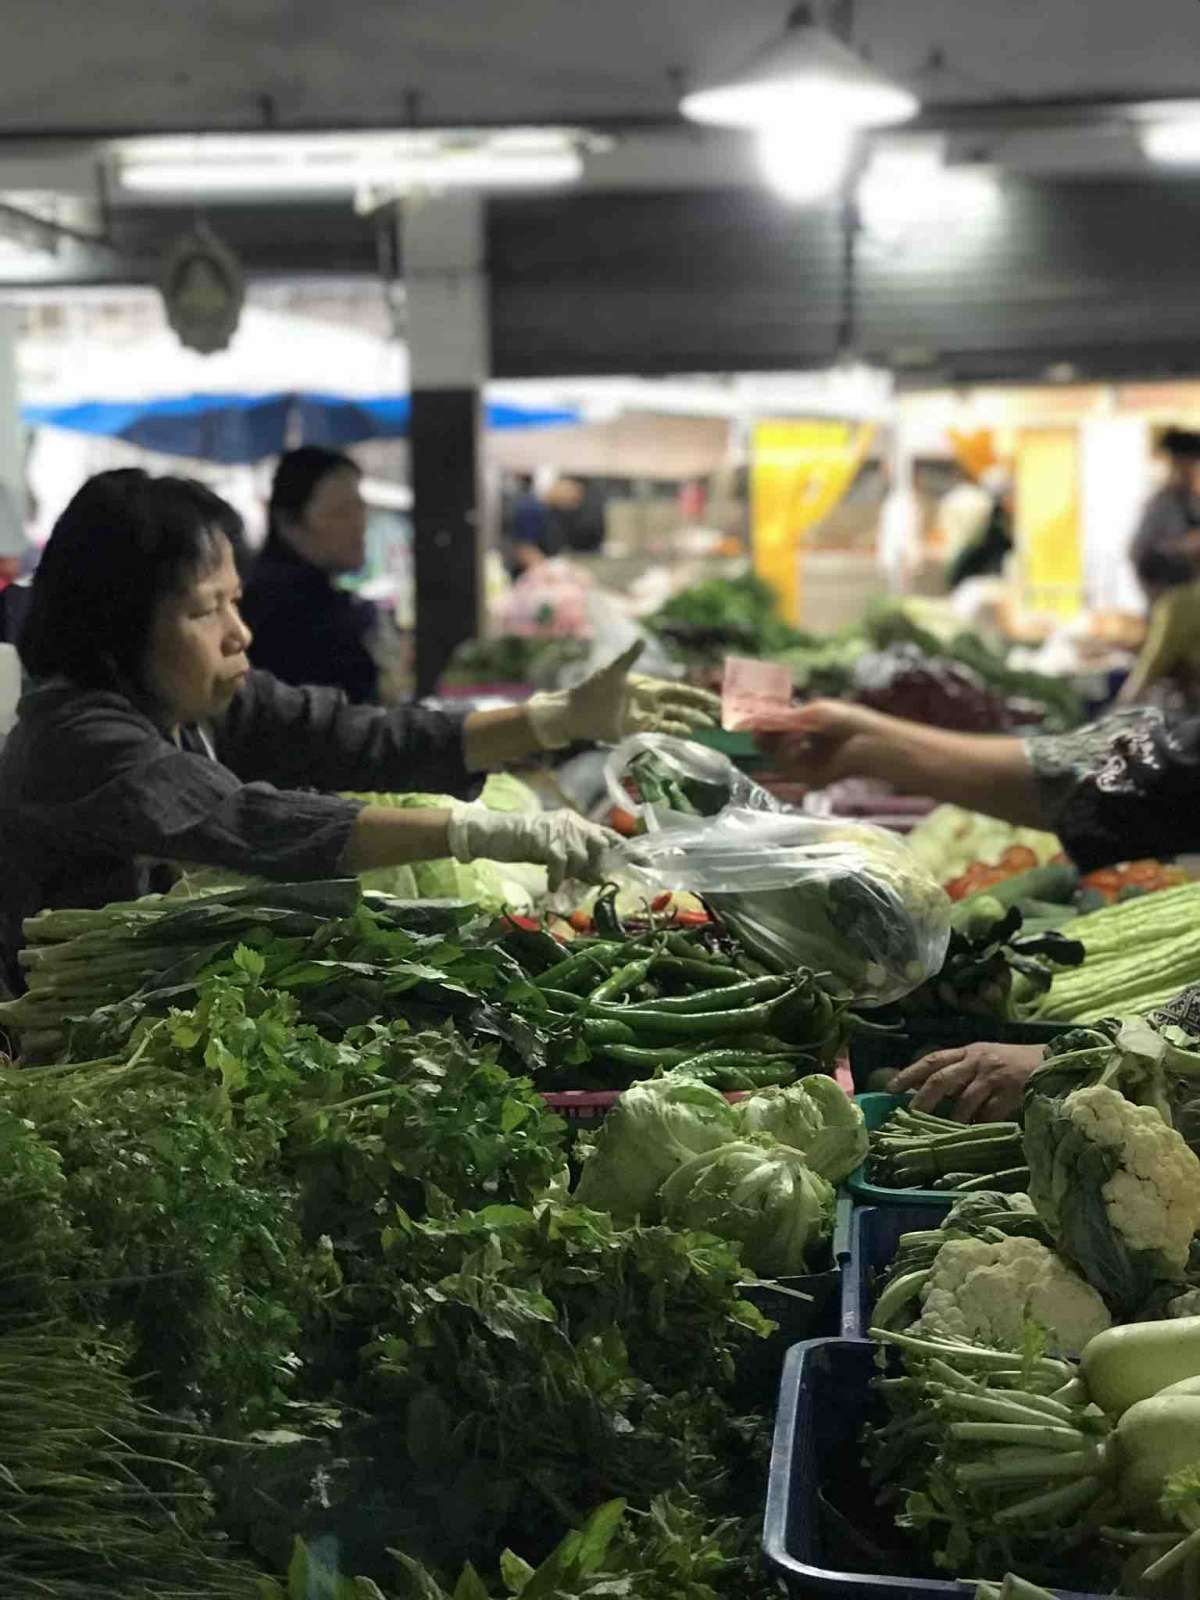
x,y
703,624
916,1150
990,958
1139,953
308,1293
1043,1351
887,660
610,1008
758,1172
891,663
950,841
369,1329
512,659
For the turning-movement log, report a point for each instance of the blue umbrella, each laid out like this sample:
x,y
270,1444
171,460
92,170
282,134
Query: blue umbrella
x,y
239,428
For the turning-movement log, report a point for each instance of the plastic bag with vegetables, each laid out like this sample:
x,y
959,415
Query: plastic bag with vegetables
x,y
837,897
669,782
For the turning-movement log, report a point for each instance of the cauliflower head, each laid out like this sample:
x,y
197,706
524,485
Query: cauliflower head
x,y
983,1293
1118,1190
1153,1196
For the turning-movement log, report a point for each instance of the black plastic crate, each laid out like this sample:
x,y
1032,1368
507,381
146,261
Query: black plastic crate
x,y
919,1035
875,1231
821,1526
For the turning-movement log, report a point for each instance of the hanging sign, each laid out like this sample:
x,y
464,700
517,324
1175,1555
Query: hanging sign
x,y
203,291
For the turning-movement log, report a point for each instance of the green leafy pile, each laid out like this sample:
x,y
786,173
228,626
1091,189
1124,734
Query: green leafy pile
x,y
349,1252
350,957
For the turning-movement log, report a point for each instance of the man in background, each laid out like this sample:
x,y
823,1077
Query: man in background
x,y
1166,546
538,522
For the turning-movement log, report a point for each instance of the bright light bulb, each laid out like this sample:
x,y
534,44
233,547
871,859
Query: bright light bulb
x,y
805,162
1175,142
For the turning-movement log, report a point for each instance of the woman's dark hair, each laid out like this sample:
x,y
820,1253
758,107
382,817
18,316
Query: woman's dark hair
x,y
124,542
296,479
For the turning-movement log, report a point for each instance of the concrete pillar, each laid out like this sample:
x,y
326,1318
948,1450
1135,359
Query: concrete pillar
x,y
449,353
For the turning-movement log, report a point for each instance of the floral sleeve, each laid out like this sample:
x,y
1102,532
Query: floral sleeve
x,y
1122,788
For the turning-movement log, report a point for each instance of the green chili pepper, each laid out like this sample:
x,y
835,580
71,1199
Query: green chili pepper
x,y
649,1057
579,968
712,974
621,981
724,999
604,913
737,1069
607,1030
672,1025
562,1000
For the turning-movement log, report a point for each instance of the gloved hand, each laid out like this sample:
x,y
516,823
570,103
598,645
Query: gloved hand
x,y
612,704
564,843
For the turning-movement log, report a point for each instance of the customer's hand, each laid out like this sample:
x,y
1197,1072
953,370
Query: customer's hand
x,y
565,844
612,704
985,1082
832,739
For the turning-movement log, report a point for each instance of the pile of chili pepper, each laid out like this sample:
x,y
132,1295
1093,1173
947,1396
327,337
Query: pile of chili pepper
x,y
626,1003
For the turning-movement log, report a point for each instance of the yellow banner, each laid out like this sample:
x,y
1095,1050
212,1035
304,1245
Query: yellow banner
x,y
1049,537
799,472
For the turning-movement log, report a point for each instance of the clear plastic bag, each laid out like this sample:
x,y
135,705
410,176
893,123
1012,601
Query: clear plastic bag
x,y
708,781
841,898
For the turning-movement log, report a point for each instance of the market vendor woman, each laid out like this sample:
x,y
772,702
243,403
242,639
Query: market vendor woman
x,y
1124,788
147,740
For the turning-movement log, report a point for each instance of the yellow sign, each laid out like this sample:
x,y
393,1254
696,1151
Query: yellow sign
x,y
799,472
1048,521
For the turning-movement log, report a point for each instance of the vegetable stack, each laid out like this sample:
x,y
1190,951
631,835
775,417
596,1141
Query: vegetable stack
x,y
623,1007
1138,955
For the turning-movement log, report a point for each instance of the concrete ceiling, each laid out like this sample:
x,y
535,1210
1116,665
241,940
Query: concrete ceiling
x,y
96,66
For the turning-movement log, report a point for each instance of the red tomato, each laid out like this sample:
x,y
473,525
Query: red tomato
x,y
580,921
1019,858
623,822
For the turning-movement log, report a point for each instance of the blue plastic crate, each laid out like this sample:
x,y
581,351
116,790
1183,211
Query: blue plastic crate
x,y
824,1400
875,1231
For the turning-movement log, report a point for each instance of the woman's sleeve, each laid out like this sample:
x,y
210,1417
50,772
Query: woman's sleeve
x,y
1121,789
313,737
126,790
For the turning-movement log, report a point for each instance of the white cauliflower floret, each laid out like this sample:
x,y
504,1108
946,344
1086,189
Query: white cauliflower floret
x,y
983,1293
1153,1199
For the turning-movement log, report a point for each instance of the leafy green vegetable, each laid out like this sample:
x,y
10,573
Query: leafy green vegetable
x,y
814,1116
651,1131
759,1194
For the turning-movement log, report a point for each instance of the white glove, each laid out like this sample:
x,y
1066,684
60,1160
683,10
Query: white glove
x,y
565,844
611,704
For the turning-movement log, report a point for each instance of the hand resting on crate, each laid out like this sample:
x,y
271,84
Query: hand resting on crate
x,y
983,1082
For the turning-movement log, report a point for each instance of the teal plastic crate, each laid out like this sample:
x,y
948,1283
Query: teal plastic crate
x,y
876,1108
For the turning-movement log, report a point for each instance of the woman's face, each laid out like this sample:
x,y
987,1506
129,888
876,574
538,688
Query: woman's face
x,y
196,660
332,529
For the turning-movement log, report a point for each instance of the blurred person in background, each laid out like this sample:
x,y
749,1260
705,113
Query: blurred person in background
x,y
1166,546
306,629
983,553
538,522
